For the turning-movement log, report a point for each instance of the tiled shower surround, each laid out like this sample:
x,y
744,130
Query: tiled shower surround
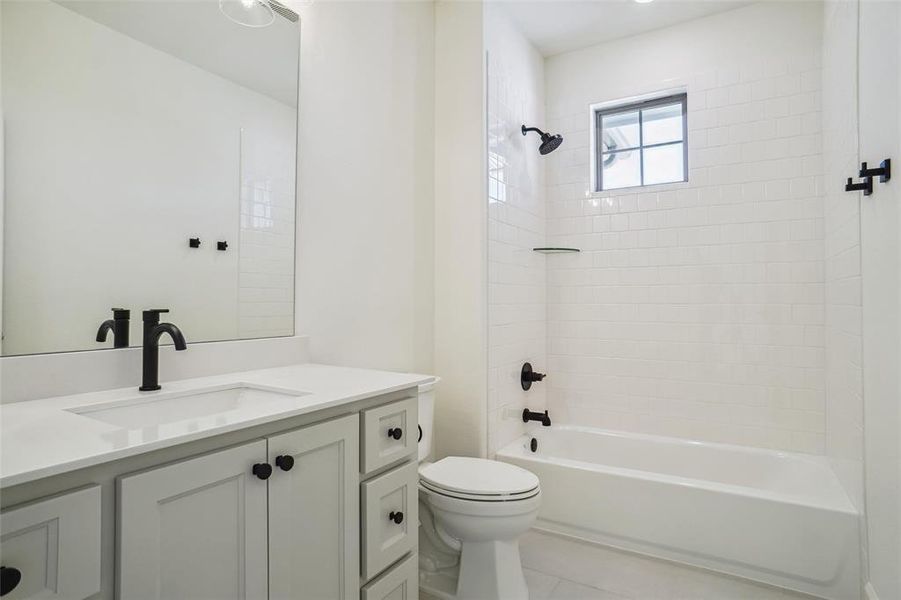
x,y
695,309
516,223
844,381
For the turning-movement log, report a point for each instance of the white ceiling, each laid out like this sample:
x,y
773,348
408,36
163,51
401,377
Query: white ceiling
x,y
556,26
264,59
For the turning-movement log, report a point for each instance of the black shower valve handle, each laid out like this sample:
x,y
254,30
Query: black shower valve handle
x,y
527,376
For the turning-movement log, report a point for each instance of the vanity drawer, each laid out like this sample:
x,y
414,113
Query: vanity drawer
x,y
400,583
390,518
54,544
390,433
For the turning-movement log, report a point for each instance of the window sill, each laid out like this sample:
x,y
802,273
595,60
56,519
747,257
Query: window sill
x,y
640,189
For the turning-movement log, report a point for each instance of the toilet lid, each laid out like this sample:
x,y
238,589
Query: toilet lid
x,y
478,477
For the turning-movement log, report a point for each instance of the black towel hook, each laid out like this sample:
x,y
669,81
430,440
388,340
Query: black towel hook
x,y
883,172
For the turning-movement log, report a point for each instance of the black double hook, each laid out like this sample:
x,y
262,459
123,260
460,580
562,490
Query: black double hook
x,y
883,172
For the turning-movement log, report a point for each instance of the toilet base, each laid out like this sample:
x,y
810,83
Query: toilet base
x,y
478,570
491,570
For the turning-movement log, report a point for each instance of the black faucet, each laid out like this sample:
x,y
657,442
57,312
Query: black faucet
x,y
118,325
153,329
528,415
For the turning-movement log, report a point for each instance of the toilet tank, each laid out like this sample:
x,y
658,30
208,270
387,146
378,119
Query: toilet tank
x,y
426,419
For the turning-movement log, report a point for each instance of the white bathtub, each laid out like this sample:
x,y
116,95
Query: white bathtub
x,y
776,517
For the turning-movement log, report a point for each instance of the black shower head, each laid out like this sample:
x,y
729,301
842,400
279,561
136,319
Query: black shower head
x,y
549,142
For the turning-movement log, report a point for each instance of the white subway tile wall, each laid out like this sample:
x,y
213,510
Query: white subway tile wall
x,y
517,326
697,309
266,245
844,383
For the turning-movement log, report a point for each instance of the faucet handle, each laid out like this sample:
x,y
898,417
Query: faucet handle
x,y
121,313
152,315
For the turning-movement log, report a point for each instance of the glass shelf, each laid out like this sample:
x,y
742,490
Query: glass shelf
x,y
555,250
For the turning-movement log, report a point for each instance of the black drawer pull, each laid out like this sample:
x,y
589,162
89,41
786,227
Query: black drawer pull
x,y
396,433
397,517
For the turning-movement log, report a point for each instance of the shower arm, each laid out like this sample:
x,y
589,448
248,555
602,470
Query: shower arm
x,y
526,130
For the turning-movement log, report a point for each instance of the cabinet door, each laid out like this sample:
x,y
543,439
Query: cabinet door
x,y
390,517
400,583
390,433
53,546
195,530
314,512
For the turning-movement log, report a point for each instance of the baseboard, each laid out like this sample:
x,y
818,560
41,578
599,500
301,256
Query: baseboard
x,y
869,593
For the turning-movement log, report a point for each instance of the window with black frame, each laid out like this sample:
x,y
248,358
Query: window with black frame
x,y
642,143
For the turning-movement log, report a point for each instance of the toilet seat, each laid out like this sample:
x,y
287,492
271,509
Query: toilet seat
x,y
478,479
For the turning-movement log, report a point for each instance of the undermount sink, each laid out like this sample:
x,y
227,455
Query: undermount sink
x,y
171,407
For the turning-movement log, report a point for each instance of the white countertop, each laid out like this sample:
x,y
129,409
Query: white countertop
x,y
40,438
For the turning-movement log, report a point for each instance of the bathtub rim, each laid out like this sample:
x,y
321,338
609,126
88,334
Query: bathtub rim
x,y
518,448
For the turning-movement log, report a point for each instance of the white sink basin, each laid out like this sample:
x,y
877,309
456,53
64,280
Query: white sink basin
x,y
161,408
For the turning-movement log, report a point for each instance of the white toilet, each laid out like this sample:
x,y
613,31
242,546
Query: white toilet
x,y
471,512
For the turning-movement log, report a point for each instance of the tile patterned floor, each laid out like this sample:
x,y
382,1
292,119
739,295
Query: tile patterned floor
x,y
558,568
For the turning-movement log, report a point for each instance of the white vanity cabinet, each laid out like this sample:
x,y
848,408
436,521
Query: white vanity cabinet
x,y
195,529
390,434
390,503
314,511
273,518
390,517
51,548
400,583
320,505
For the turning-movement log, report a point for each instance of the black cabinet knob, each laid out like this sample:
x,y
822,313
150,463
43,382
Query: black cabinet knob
x,y
262,470
397,517
284,462
9,579
194,242
222,246
396,433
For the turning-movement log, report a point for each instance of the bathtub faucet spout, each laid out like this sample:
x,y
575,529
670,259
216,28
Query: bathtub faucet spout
x,y
528,415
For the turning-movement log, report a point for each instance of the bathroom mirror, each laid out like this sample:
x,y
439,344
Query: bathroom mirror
x,y
132,128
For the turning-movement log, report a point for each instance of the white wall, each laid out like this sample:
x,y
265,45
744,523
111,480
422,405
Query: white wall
x,y
365,186
461,280
696,309
517,319
116,154
880,137
2,187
